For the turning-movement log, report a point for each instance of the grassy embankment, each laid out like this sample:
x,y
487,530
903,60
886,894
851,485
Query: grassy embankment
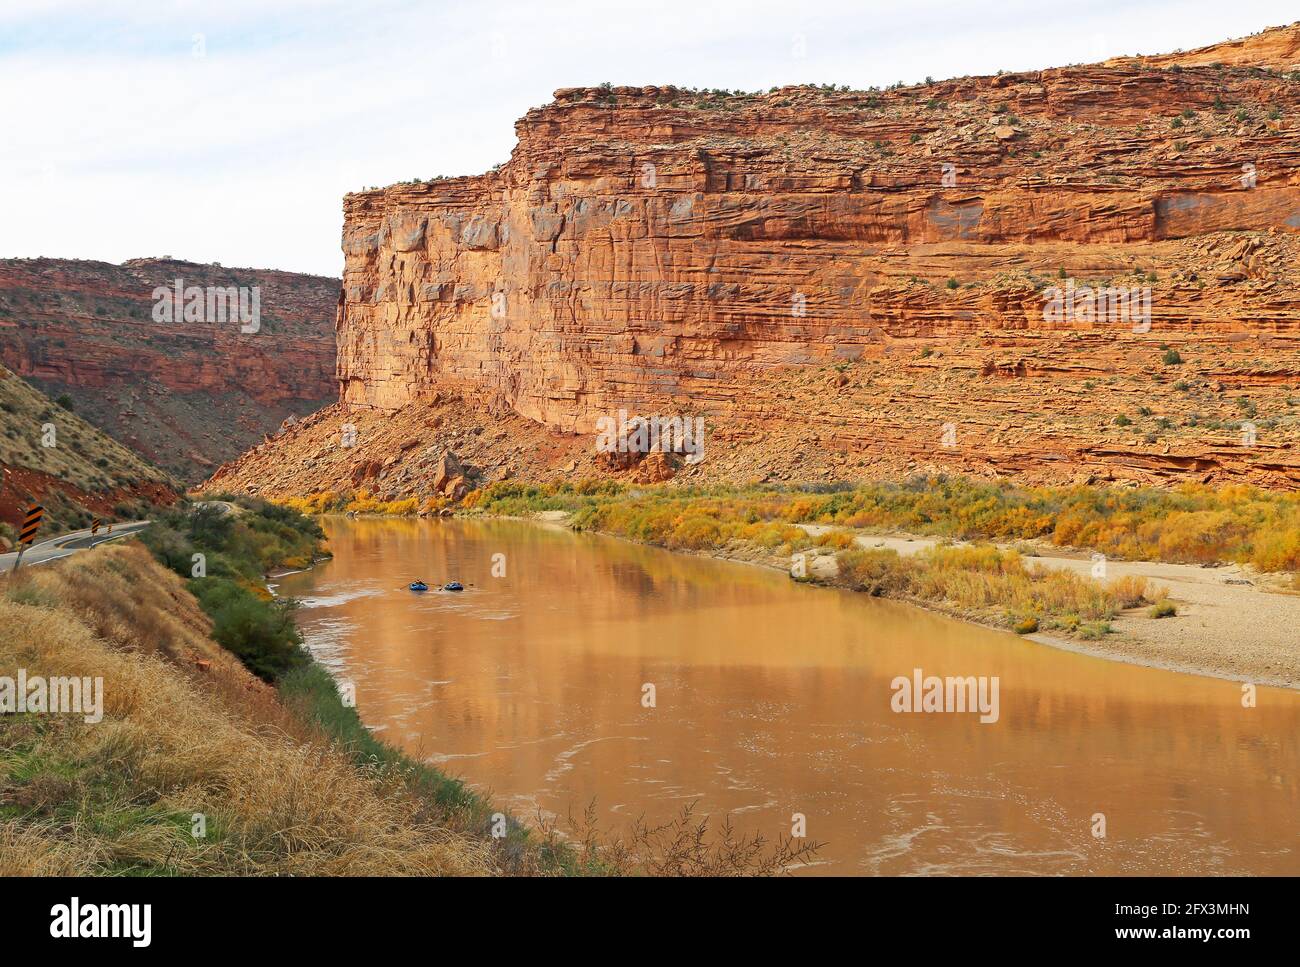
x,y
212,708
1191,524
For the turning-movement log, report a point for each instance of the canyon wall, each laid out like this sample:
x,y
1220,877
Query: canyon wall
x,y
835,275
185,394
647,241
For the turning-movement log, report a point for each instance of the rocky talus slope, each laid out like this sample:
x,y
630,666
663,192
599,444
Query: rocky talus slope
x,y
845,283
186,395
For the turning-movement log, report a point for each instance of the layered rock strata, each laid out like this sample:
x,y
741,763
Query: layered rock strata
x,y
186,394
854,275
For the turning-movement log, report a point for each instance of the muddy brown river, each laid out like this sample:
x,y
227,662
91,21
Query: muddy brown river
x,y
773,700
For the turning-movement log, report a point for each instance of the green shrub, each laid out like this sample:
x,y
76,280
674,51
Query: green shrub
x,y
238,550
1164,609
169,547
261,633
1093,630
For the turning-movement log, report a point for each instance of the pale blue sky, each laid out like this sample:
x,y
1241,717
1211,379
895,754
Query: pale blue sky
x,y
229,131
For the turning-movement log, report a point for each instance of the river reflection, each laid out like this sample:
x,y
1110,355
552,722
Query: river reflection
x,y
774,699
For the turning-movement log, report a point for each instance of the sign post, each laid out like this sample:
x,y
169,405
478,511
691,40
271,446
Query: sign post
x,y
31,524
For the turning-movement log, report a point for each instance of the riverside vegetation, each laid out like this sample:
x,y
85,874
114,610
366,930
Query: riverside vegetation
x,y
1190,524
982,582
225,749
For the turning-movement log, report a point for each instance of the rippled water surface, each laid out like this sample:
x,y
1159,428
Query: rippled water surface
x,y
774,699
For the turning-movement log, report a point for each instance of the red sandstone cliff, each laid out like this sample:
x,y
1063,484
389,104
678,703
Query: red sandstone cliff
x,y
830,277
186,395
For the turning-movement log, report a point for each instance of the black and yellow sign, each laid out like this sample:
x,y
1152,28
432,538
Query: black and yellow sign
x,y
94,526
31,524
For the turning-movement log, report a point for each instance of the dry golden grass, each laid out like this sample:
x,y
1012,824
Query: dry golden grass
x,y
177,740
1130,590
994,585
28,851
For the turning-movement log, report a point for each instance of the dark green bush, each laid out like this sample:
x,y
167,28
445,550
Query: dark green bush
x,y
261,633
238,549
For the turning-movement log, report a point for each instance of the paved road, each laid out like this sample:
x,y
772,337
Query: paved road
x,y
66,544
224,507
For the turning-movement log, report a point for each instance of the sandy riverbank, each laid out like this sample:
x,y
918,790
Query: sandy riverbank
x,y
1231,623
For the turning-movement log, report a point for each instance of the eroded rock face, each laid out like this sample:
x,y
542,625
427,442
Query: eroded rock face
x,y
638,248
832,278
187,395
